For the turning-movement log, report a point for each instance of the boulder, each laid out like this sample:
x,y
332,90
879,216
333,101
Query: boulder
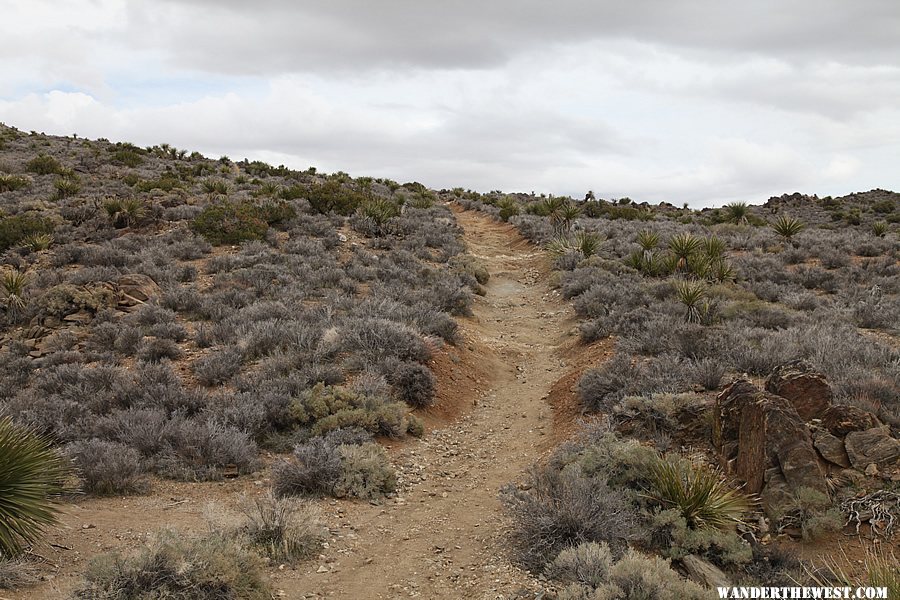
x,y
873,446
842,419
831,448
777,496
806,388
135,289
769,433
704,572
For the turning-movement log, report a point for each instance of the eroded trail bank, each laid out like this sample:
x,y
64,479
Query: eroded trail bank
x,y
443,537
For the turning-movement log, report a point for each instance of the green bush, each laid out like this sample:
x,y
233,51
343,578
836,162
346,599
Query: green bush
x,y
43,165
32,473
173,567
331,196
166,183
128,157
14,230
230,223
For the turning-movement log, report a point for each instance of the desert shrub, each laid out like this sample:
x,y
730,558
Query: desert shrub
x,y
565,508
586,564
708,372
218,367
283,529
108,468
365,472
230,223
415,383
671,535
32,473
324,408
342,463
66,187
18,572
636,577
601,388
14,230
156,349
176,567
331,196
375,338
43,165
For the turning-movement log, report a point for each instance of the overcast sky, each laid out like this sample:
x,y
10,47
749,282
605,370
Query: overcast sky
x,y
693,101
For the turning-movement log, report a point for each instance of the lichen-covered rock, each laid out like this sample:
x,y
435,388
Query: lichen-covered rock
x,y
806,388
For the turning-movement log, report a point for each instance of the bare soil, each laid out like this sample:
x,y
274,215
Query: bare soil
x,y
443,535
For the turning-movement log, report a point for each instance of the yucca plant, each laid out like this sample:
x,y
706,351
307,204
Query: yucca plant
x,y
38,241
269,188
66,187
124,212
11,183
648,240
683,246
879,228
380,211
564,218
737,212
425,201
713,247
691,293
722,271
215,187
588,244
32,474
787,227
14,284
699,493
508,208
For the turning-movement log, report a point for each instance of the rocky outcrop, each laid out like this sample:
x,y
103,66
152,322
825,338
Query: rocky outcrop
x,y
842,419
873,446
806,388
135,289
769,434
831,448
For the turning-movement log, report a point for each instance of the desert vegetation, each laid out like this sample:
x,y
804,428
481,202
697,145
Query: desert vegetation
x,y
801,289
165,315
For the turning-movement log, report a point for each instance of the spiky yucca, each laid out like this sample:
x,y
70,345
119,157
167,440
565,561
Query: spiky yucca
x,y
588,244
691,293
13,290
879,228
738,212
682,246
699,493
787,227
32,473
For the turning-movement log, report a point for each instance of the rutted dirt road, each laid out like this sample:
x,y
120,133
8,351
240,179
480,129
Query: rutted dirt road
x,y
443,535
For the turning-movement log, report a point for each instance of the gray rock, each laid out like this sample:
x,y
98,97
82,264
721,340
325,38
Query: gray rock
x,y
704,573
872,446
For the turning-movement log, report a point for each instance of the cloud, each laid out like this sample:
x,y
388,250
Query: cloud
x,y
703,101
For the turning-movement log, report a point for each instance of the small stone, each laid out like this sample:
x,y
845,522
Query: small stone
x,y
322,569
872,470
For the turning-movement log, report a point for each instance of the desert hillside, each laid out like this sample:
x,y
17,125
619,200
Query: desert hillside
x,y
225,379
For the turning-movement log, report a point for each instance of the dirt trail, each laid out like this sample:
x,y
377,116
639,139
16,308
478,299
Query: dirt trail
x,y
443,535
